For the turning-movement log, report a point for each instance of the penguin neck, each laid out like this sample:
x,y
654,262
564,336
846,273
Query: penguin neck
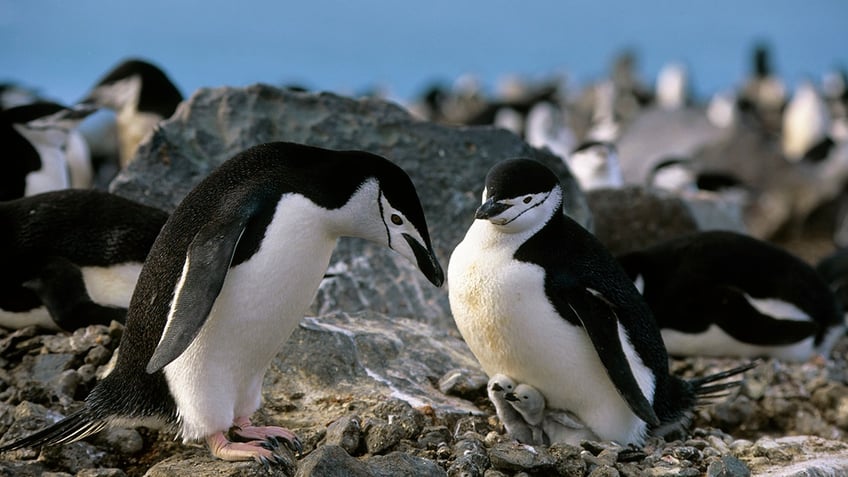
x,y
360,216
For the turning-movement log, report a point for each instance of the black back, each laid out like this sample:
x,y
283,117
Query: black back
x,y
250,184
19,157
680,271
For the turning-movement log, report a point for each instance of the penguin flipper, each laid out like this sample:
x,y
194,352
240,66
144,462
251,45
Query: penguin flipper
x,y
205,268
597,315
745,322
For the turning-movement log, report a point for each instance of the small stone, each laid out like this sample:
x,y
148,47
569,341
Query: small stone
x,y
494,473
346,433
380,436
464,383
472,459
98,355
514,456
124,441
101,473
398,464
728,466
87,373
434,436
476,424
48,367
604,471
331,461
568,460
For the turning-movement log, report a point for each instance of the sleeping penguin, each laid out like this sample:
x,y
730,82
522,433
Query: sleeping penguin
x,y
71,258
720,293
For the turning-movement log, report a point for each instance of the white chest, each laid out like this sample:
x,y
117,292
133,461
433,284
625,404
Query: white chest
x,y
503,314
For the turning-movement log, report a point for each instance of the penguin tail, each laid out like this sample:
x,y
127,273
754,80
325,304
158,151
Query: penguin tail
x,y
708,388
78,425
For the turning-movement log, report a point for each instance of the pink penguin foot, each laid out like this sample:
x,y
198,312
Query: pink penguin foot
x,y
244,429
224,449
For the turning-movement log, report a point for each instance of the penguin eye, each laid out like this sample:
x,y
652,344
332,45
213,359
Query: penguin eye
x,y
395,218
528,199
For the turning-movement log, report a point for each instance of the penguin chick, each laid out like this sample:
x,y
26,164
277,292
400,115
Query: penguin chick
x,y
227,281
142,95
516,427
552,425
721,293
538,298
44,151
71,258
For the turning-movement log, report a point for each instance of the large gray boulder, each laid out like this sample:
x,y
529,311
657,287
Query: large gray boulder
x,y
447,164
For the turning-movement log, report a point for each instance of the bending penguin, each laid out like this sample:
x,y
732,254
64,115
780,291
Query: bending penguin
x,y
142,95
720,293
227,281
71,258
43,150
539,299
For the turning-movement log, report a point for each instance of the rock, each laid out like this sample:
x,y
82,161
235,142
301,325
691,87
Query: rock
x,y
632,218
514,456
447,164
797,456
101,473
368,356
122,441
728,466
472,459
463,382
345,433
398,464
198,462
331,461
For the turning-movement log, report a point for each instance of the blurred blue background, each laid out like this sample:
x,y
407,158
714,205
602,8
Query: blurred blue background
x,y
63,47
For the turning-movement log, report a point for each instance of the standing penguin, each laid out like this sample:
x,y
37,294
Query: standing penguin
x,y
228,280
515,425
539,299
41,149
71,258
721,293
142,95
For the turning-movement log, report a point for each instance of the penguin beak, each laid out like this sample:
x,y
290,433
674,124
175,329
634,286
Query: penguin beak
x,y
511,397
427,261
496,387
490,208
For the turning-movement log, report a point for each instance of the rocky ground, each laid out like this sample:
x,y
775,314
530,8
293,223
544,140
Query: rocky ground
x,y
377,381
787,419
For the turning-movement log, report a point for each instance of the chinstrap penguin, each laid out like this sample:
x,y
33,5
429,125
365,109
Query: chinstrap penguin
x,y
142,95
515,425
538,298
43,151
721,293
71,258
229,278
549,425
595,165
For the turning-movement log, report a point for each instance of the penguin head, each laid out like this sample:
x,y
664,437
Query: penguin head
x,y
501,384
595,165
402,226
529,402
520,195
136,84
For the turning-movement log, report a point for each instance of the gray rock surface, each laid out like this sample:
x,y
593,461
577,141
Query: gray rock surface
x,y
634,217
447,164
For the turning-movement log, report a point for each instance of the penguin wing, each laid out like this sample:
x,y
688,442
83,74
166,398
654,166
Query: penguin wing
x,y
598,317
741,319
206,265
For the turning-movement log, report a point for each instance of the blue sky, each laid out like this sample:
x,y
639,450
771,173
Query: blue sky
x,y
62,47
